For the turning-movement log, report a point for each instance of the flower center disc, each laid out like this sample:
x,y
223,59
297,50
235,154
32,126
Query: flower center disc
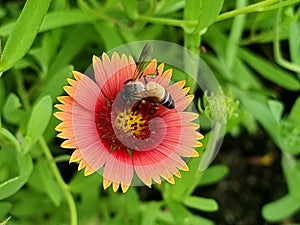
x,y
128,127
135,121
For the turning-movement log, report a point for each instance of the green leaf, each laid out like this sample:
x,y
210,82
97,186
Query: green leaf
x,y
167,7
26,202
209,11
257,105
213,174
276,108
14,184
194,219
49,183
39,119
270,71
24,32
12,111
178,211
80,183
2,93
295,112
53,86
243,76
292,175
294,42
149,213
55,20
77,39
204,204
113,39
130,8
192,11
281,208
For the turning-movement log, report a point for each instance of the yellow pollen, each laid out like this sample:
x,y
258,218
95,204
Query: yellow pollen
x,y
131,122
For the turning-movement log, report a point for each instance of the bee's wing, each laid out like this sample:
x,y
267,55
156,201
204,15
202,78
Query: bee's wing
x,y
143,61
147,93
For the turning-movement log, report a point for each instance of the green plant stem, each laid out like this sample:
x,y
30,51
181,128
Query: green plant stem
x,y
257,7
277,49
61,182
61,158
235,35
21,90
212,147
167,21
26,103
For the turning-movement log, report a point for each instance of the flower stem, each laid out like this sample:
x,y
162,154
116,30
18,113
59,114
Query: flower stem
x,y
61,182
213,146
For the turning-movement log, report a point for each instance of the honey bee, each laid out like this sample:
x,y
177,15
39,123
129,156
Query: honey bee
x,y
149,91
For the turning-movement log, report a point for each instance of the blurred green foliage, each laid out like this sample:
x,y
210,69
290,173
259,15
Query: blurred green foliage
x,y
42,40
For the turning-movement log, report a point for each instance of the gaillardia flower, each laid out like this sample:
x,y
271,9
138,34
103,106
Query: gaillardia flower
x,y
144,141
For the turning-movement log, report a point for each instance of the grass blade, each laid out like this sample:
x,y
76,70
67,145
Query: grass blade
x,y
23,33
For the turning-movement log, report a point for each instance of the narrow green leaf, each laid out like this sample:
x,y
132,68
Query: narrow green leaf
x,y
55,20
50,185
270,71
24,32
14,184
209,11
256,105
243,76
12,111
203,204
192,11
294,42
213,174
77,39
149,213
178,211
200,220
53,86
130,8
2,93
276,108
292,175
281,208
168,7
280,4
39,119
7,138
113,39
295,112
